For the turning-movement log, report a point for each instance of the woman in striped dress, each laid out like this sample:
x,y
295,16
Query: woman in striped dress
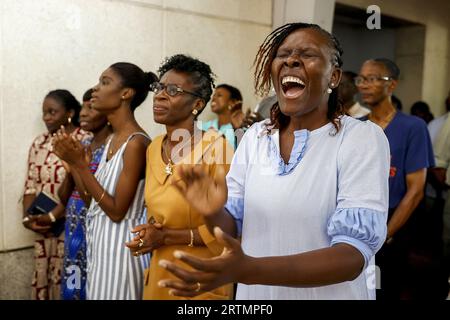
x,y
117,188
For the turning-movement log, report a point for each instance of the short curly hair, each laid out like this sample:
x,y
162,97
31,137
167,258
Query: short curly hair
x,y
200,73
391,67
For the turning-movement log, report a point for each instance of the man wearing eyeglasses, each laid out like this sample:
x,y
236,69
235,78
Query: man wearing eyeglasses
x,y
411,155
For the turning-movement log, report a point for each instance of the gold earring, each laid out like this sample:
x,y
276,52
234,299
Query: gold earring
x,y
195,112
69,120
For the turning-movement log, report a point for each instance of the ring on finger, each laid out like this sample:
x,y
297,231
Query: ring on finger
x,y
199,286
141,243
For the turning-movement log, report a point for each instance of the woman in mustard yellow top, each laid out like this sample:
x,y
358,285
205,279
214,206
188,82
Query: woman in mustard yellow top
x,y
184,89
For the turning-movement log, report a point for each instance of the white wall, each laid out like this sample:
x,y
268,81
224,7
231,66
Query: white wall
x,y
49,44
2,195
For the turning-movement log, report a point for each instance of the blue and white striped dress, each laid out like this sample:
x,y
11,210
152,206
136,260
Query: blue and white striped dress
x,y
113,273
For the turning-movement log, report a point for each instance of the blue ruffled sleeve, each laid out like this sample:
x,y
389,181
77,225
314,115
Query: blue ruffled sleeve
x,y
365,229
360,217
235,207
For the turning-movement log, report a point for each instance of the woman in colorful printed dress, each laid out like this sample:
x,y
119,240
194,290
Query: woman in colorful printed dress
x,y
74,271
45,174
118,185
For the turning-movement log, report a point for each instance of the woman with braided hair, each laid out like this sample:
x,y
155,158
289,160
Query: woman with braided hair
x,y
307,190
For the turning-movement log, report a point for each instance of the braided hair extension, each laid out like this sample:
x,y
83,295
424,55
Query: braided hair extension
x,y
263,62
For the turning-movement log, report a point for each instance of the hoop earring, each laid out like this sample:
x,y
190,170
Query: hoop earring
x,y
195,112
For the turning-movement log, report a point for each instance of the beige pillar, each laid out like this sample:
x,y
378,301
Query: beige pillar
x,y
409,56
320,12
436,67
2,209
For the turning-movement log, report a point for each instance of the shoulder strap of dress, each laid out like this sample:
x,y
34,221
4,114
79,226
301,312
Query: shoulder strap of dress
x,y
137,133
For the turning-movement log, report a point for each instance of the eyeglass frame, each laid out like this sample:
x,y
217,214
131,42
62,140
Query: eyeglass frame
x,y
366,80
179,90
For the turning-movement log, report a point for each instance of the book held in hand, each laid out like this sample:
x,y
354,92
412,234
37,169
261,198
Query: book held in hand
x,y
43,204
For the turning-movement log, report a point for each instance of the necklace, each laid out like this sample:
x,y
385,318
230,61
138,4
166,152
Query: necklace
x,y
110,151
168,169
383,122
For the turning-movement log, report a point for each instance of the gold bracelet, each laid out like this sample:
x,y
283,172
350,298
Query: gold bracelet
x,y
101,197
51,216
191,244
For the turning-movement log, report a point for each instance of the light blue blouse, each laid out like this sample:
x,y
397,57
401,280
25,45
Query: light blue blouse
x,y
363,228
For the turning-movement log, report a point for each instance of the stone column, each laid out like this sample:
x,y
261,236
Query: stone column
x,y
320,12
